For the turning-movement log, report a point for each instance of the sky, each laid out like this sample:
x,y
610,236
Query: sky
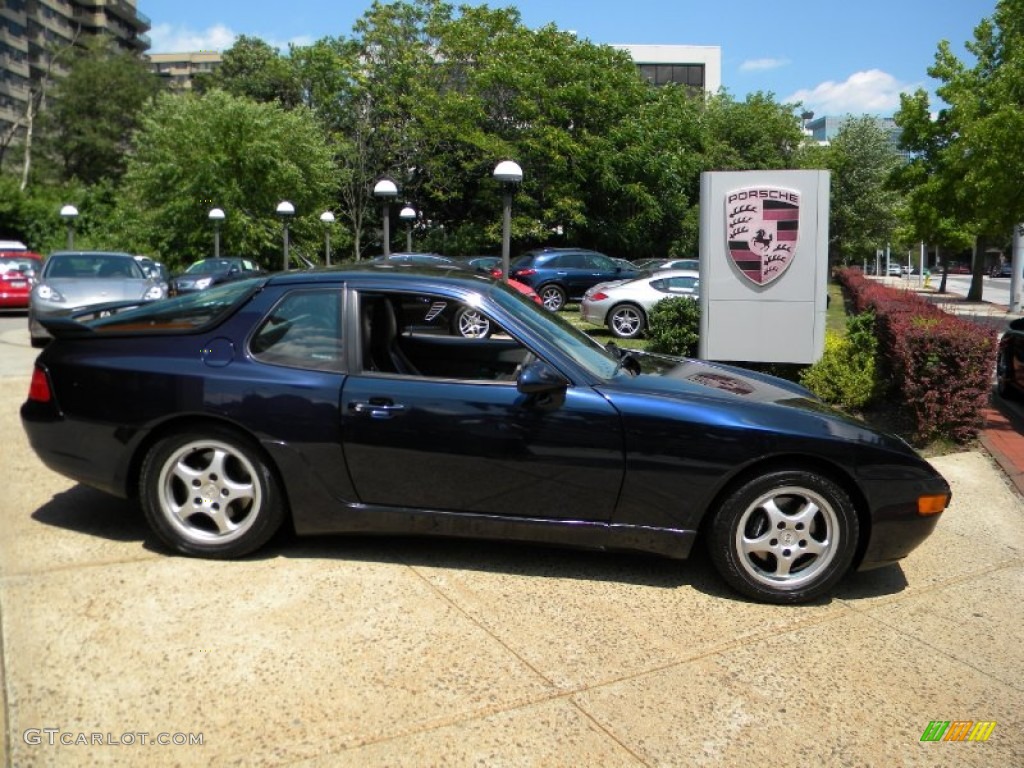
x,y
836,57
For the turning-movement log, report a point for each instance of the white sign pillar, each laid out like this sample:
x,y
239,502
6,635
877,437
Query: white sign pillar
x,y
763,265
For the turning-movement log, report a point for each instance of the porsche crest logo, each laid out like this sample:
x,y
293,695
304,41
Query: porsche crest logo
x,y
763,225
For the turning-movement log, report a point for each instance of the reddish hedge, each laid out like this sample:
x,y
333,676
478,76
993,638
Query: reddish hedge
x,y
941,364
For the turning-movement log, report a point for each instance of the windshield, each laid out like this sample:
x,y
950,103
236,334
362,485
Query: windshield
x,y
209,265
587,352
103,266
186,312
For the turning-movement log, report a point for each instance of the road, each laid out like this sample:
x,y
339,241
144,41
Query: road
x,y
16,354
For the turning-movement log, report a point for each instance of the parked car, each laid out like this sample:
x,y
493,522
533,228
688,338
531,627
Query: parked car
x,y
1002,270
76,280
18,271
461,320
959,269
1010,362
663,264
560,275
300,396
204,273
624,305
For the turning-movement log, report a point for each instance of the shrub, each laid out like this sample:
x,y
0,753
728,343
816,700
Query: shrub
x,y
941,365
673,327
846,375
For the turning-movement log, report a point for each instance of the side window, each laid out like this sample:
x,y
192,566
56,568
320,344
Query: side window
x,y
597,262
682,284
575,261
434,336
302,331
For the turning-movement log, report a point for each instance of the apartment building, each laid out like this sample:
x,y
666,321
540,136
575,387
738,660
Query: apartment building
x,y
31,31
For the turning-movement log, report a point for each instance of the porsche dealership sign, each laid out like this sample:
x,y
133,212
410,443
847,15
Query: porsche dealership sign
x,y
764,265
762,225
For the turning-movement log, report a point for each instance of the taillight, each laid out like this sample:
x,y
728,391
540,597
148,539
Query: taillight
x,y
599,296
39,389
525,272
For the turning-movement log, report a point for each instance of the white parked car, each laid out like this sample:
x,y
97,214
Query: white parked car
x,y
623,305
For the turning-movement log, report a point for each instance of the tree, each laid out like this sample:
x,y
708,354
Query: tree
x,y
969,159
94,109
862,207
194,153
254,69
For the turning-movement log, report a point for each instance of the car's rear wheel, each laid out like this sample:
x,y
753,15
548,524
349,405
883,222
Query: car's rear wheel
x,y
627,321
210,493
784,537
552,296
471,323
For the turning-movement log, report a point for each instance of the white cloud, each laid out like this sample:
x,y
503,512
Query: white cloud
x,y
759,65
870,92
167,38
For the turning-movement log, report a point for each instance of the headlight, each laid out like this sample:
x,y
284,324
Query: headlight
x,y
203,282
156,292
47,293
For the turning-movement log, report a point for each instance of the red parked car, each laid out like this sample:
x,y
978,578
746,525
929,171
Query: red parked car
x,y
18,269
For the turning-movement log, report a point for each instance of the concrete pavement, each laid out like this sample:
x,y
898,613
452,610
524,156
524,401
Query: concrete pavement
x,y
405,652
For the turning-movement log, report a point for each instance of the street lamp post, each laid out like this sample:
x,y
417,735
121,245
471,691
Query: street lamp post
x,y
385,189
328,219
408,215
216,216
508,173
70,213
285,210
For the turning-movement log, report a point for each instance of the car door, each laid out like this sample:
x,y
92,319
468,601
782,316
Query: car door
x,y
467,444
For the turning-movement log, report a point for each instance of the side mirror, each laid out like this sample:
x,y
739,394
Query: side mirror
x,y
538,378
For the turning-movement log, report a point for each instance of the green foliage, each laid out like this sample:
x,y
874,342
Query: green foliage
x,y
218,150
846,375
674,327
862,206
93,110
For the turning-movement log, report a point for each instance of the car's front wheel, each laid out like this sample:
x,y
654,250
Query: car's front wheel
x,y
210,493
1004,374
627,321
784,537
552,296
471,324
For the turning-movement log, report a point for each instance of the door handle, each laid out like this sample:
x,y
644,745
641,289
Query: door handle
x,y
381,410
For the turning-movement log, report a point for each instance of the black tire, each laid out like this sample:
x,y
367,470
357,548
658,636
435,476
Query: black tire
x,y
552,296
627,321
784,537
471,324
210,493
1004,375
38,342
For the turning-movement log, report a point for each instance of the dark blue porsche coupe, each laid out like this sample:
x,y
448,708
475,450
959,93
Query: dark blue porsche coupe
x,y
310,397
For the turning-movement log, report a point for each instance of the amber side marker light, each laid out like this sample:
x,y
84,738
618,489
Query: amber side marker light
x,y
933,504
39,389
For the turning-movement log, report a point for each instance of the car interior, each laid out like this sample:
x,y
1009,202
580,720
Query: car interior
x,y
390,348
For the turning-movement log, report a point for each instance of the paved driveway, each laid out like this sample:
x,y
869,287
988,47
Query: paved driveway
x,y
403,652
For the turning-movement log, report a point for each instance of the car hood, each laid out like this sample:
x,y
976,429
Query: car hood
x,y
725,393
78,292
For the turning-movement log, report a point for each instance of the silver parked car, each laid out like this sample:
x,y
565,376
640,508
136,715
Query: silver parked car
x,y
623,305
74,280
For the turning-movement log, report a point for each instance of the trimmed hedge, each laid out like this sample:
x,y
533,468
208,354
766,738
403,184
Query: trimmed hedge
x,y
941,365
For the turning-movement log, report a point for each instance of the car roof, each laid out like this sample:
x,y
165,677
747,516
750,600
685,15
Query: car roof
x,y
92,253
387,273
